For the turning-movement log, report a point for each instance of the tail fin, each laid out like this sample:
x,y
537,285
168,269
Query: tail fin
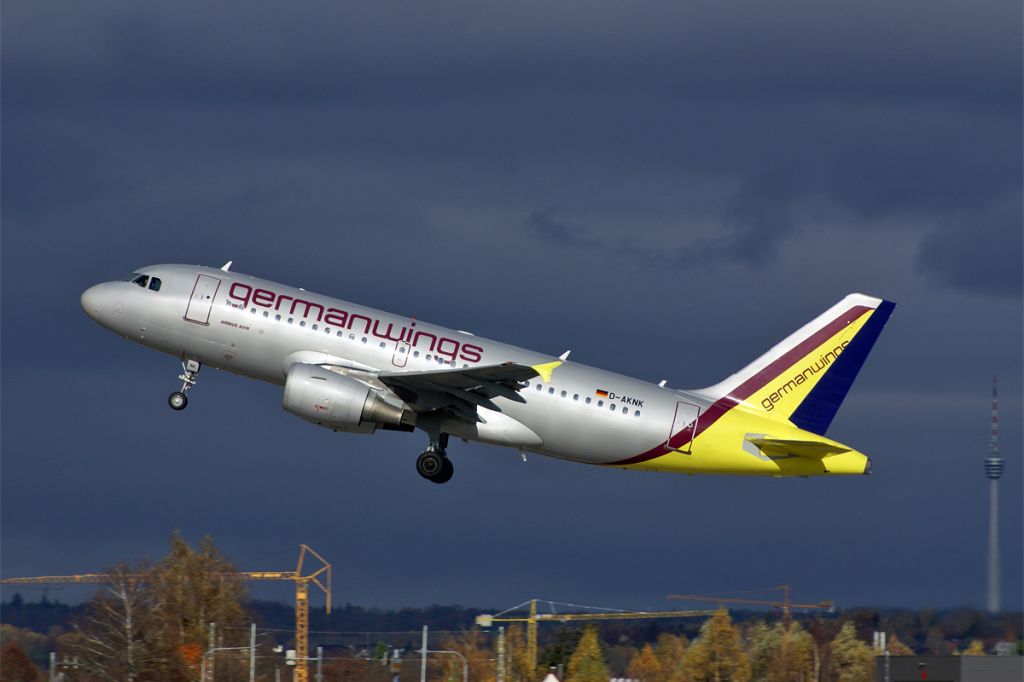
x,y
806,376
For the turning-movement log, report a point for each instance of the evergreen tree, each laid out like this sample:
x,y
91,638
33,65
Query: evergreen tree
x,y
646,667
587,663
518,668
671,650
851,659
898,648
716,655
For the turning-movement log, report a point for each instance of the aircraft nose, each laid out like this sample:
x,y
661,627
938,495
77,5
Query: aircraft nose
x,y
92,301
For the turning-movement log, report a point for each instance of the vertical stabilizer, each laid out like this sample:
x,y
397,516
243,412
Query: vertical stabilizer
x,y
806,377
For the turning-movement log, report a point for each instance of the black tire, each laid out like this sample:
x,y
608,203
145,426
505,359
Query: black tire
x,y
177,400
429,464
446,473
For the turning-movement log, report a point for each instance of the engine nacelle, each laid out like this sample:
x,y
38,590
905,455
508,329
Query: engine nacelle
x,y
336,401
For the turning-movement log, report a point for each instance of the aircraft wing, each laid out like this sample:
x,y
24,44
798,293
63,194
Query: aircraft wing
x,y
461,391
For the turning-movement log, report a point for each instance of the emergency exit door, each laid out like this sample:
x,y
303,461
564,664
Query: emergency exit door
x,y
684,427
199,304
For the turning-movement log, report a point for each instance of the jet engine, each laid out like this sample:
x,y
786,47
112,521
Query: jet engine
x,y
337,401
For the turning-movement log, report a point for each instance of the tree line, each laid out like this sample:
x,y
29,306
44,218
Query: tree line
x,y
150,621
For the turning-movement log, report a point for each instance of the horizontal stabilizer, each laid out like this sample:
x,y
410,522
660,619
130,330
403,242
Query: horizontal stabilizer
x,y
811,449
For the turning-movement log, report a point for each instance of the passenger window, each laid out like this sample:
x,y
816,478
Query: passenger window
x,y
587,401
575,396
381,344
266,313
290,319
252,310
154,284
637,413
539,387
302,323
428,357
415,353
551,391
600,403
612,407
277,317
364,339
341,334
564,394
625,410
315,327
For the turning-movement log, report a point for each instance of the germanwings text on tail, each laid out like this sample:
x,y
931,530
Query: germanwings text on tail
x,y
351,368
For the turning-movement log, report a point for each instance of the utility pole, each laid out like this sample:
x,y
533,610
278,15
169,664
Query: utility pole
x,y
319,664
501,654
423,657
252,652
213,644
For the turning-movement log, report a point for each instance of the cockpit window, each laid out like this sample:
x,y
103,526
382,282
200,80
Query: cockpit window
x,y
141,280
154,284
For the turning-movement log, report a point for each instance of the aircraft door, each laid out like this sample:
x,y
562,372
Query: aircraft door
x,y
401,355
199,304
685,425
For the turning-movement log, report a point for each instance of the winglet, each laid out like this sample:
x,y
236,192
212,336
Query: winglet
x,y
226,266
545,370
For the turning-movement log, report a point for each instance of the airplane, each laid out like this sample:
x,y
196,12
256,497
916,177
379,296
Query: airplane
x,y
351,368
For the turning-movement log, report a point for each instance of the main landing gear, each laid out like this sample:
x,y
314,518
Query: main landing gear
x,y
179,400
433,464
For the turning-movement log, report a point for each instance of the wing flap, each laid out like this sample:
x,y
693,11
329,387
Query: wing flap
x,y
460,390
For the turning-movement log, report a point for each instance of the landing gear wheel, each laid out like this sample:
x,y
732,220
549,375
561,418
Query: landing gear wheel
x,y
429,464
177,400
445,475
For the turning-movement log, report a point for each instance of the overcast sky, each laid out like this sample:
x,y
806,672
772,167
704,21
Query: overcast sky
x,y
665,188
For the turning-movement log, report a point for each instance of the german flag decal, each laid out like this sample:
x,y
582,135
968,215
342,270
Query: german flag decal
x,y
601,394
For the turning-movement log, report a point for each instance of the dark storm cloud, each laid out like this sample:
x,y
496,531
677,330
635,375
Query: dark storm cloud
x,y
755,223
980,253
667,188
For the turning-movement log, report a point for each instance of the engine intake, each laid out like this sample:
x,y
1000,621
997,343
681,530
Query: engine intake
x,y
337,401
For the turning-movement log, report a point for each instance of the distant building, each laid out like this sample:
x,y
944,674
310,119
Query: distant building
x,y
950,668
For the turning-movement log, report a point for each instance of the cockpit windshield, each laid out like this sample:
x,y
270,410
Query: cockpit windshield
x,y
145,281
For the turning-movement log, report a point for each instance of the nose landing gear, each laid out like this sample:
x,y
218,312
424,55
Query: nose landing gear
x,y
179,400
433,463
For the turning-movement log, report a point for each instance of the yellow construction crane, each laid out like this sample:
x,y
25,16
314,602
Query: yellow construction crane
x,y
785,604
534,618
319,574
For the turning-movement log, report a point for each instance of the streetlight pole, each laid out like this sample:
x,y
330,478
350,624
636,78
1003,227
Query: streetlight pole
x,y
252,652
465,663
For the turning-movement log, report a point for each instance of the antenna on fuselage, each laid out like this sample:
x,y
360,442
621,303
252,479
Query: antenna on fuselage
x,y
227,266
564,356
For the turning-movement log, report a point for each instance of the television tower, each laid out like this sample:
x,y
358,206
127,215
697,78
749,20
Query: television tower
x,y
993,469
